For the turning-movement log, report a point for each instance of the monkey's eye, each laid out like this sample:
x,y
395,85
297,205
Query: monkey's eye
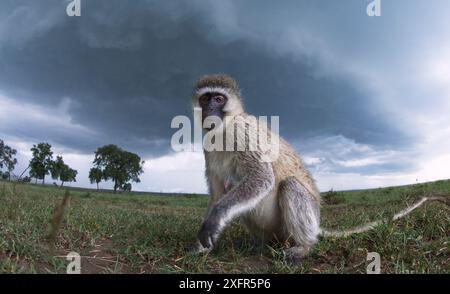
x,y
204,98
219,99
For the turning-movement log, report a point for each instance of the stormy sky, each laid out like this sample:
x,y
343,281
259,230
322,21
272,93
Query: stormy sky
x,y
365,100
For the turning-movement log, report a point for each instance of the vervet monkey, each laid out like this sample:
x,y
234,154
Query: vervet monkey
x,y
275,200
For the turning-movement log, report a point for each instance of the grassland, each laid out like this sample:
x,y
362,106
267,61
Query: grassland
x,y
145,233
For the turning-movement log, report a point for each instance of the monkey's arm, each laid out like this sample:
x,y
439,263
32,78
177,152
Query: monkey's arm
x,y
258,182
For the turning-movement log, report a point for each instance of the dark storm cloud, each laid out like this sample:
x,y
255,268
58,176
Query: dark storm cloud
x,y
128,68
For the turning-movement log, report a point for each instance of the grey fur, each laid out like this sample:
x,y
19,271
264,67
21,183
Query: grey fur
x,y
301,217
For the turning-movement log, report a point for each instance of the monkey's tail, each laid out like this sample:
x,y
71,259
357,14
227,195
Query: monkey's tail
x,y
372,225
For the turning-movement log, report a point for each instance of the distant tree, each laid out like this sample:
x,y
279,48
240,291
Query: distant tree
x,y
6,175
7,158
126,187
60,170
25,179
118,165
41,162
95,175
57,167
33,175
68,175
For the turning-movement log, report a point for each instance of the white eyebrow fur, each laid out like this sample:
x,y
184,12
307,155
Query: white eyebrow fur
x,y
220,90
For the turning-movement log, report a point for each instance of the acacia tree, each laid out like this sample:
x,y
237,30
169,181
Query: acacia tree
x,y
95,175
57,167
118,165
127,187
33,175
41,162
62,171
7,158
68,175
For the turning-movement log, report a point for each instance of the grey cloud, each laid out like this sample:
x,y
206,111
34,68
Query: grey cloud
x,y
21,20
129,68
339,154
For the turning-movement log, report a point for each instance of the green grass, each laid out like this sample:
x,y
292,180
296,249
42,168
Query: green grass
x,y
145,233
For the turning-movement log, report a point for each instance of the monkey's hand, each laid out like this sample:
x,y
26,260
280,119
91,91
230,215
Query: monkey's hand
x,y
208,233
197,248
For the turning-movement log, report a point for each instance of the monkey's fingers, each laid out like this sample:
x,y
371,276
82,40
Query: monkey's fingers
x,y
205,239
197,248
208,233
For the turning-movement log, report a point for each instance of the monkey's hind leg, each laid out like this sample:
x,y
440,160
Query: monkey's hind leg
x,y
301,218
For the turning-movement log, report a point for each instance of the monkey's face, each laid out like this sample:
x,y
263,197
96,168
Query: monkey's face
x,y
212,104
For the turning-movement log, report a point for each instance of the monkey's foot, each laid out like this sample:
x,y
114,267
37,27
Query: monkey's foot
x,y
197,249
294,255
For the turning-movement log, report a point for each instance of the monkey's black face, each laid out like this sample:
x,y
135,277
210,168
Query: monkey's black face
x,y
212,104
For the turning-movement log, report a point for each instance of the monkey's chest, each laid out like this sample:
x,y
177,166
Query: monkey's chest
x,y
222,165
264,219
